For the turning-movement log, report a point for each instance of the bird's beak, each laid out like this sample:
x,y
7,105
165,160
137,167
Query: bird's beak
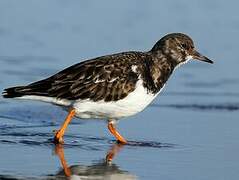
x,y
196,55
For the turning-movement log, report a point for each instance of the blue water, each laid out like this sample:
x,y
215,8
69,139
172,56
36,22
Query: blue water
x,y
189,132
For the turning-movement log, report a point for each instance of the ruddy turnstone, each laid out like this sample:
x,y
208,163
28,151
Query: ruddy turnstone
x,y
113,86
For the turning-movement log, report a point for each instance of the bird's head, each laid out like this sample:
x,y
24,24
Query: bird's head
x,y
179,48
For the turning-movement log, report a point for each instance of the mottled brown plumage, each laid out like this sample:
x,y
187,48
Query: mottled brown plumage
x,y
111,77
108,78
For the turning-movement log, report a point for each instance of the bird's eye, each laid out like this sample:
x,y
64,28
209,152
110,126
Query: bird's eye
x,y
184,45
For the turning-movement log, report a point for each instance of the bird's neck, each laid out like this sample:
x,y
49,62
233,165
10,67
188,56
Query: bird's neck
x,y
162,57
161,67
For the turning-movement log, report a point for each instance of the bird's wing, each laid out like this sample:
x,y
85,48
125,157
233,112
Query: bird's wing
x,y
107,78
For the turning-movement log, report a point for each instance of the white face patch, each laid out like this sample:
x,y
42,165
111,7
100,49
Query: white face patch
x,y
189,57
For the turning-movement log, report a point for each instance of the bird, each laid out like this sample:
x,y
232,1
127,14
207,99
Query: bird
x,y
114,86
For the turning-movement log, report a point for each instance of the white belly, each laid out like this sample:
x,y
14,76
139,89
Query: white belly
x,y
135,102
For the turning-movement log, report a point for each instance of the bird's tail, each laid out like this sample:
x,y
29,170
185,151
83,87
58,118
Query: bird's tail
x,y
39,88
14,92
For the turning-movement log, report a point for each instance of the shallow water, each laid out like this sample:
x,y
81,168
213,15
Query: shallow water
x,y
189,132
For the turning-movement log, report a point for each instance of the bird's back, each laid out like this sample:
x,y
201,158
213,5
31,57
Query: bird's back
x,y
107,78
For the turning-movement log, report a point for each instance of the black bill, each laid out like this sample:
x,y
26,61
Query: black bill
x,y
196,55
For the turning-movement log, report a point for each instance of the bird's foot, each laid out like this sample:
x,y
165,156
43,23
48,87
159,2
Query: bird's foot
x,y
58,138
122,141
113,130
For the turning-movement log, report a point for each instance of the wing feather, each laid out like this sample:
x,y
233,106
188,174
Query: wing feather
x,y
108,78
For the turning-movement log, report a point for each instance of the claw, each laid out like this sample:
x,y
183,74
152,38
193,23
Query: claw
x,y
58,139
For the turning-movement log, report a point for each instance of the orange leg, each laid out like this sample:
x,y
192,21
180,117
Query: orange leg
x,y
117,135
60,133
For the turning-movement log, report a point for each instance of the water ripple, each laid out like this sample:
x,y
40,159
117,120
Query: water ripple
x,y
201,107
85,142
152,144
214,94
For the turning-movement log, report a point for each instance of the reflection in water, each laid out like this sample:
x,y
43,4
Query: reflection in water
x,y
104,169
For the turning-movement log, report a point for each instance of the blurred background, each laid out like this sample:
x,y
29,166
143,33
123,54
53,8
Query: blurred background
x,y
189,132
